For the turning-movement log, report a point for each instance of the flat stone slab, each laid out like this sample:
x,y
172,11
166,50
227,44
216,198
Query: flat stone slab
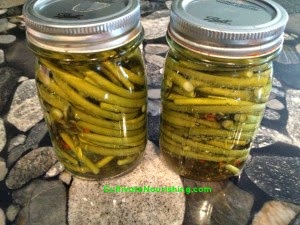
x,y
90,204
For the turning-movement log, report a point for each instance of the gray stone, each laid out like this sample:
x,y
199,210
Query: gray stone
x,y
154,93
56,169
2,217
90,204
5,25
25,110
11,3
8,82
43,203
154,75
276,83
65,177
16,141
3,11
154,107
293,123
3,169
156,24
277,176
2,135
276,213
275,104
35,135
156,49
278,92
155,59
30,166
151,6
2,59
226,204
7,39
12,211
296,220
266,136
271,114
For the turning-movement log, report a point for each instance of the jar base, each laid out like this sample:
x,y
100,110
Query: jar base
x,y
195,169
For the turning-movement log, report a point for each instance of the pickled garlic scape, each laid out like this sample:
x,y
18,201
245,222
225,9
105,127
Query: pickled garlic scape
x,y
217,80
91,84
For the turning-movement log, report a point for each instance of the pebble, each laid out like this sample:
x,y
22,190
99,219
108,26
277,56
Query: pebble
x,y
275,104
156,49
3,169
2,217
30,166
2,135
89,204
156,24
16,141
5,25
25,110
293,107
35,135
276,213
43,203
154,107
154,75
56,169
8,81
154,93
65,177
278,176
155,59
7,39
271,114
2,59
11,3
278,92
12,211
3,11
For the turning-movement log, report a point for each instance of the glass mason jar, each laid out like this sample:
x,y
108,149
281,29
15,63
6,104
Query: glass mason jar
x,y
91,82
217,80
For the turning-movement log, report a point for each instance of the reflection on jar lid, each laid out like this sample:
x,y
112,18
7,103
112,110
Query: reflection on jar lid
x,y
228,27
57,25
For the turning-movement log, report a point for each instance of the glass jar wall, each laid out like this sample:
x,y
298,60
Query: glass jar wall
x,y
212,109
95,107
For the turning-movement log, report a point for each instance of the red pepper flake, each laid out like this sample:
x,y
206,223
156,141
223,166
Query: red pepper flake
x,y
65,145
86,130
210,117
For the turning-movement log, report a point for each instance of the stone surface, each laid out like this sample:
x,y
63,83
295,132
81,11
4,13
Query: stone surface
x,y
275,104
154,107
271,114
156,49
89,204
155,59
3,11
65,177
156,24
8,81
25,110
43,203
2,217
12,211
11,3
5,25
2,135
293,106
16,141
34,137
277,176
7,39
56,169
154,93
276,213
266,136
2,57
226,204
32,165
3,169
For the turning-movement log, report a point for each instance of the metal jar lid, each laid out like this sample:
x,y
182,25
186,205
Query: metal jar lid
x,y
228,28
81,25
